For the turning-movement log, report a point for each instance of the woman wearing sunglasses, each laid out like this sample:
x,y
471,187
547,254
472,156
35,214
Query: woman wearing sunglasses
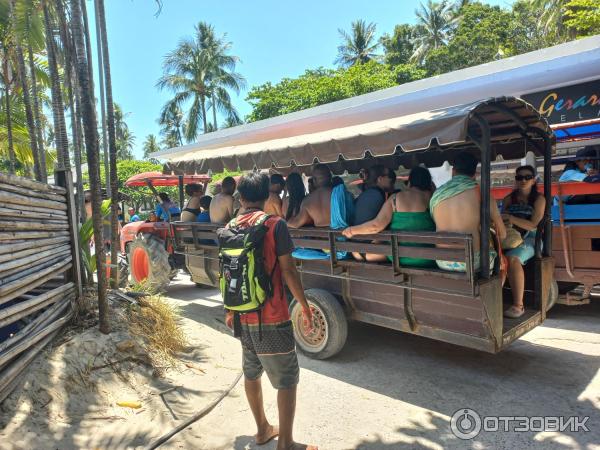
x,y
523,209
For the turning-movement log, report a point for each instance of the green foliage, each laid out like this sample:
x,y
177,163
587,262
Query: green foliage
x,y
358,46
150,146
583,16
86,232
399,47
320,86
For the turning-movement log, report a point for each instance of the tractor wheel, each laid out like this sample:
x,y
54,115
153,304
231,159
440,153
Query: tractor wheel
x,y
552,295
149,261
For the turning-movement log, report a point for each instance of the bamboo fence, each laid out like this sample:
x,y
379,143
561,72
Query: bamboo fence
x,y
40,277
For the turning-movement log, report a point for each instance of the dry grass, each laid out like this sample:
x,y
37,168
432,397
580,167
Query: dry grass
x,y
157,324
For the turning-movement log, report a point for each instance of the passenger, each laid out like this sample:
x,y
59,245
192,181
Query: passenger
x,y
408,211
167,207
523,208
273,204
152,217
133,217
581,169
336,181
204,215
192,208
221,206
316,207
379,181
120,216
456,205
296,194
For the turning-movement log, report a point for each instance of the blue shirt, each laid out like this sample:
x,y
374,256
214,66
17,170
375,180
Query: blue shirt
x,y
573,175
204,216
134,218
162,215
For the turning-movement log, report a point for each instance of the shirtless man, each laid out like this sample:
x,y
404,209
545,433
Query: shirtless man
x,y
274,202
316,207
456,206
221,206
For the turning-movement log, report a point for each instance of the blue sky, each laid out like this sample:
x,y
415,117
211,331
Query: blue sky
x,y
274,39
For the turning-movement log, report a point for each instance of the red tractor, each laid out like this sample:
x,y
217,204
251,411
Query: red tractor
x,y
147,247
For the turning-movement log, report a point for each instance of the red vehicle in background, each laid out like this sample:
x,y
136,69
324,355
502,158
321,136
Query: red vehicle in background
x,y
147,247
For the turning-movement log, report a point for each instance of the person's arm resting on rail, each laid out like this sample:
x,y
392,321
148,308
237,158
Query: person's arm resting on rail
x,y
376,225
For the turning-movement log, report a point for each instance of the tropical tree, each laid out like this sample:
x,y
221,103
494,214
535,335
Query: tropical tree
x,y
358,46
552,16
201,72
171,125
125,139
399,47
434,23
149,146
583,17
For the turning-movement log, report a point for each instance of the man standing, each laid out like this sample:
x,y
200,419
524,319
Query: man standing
x,y
273,204
221,206
268,342
133,217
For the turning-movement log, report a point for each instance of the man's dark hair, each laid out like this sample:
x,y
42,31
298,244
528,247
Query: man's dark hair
x,y
465,164
192,188
205,201
420,178
373,173
164,196
321,175
254,187
337,180
277,179
228,185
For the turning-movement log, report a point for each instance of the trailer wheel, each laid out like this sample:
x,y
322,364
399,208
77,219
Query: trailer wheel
x,y
552,295
149,260
330,327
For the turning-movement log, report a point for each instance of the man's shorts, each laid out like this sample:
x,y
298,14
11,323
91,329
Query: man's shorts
x,y
455,266
275,354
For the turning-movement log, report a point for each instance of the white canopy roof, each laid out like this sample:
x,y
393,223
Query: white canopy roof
x,y
561,65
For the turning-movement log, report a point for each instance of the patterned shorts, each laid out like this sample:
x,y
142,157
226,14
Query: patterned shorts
x,y
274,354
455,266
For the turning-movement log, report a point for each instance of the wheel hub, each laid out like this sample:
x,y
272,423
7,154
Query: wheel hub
x,y
316,338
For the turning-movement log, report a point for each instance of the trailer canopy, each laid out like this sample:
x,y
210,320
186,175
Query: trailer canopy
x,y
396,141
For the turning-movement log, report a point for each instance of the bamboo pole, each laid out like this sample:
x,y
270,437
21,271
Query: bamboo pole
x,y
23,245
31,193
29,251
32,209
9,379
23,285
17,199
19,272
26,214
33,220
8,225
12,235
30,184
11,314
50,315
34,339
31,259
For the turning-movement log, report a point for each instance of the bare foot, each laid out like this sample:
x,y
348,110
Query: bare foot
x,y
271,432
297,446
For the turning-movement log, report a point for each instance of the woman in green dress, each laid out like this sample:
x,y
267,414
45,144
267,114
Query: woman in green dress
x,y
407,211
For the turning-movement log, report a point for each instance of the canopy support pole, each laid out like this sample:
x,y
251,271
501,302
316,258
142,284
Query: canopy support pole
x,y
485,147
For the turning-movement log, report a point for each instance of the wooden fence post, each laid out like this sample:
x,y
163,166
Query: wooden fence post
x,y
64,178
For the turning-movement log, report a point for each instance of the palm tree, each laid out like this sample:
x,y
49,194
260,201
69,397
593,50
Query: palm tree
x,y
150,146
359,45
232,122
124,138
434,22
171,122
90,126
552,16
200,71
7,80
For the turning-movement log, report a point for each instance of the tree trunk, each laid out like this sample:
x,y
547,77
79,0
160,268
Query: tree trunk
x,y
12,160
204,121
29,114
77,144
103,104
112,144
36,114
88,47
90,126
60,128
214,111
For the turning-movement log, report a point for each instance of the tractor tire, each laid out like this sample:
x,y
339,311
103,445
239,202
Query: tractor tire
x,y
330,327
552,295
149,262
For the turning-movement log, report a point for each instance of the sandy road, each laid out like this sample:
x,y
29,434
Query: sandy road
x,y
390,390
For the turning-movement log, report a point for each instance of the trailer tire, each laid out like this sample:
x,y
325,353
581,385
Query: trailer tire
x,y
329,321
149,260
552,295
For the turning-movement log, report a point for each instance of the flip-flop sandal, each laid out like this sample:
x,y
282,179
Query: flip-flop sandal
x,y
270,438
514,312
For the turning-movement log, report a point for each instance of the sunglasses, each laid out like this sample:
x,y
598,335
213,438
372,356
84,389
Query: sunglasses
x,y
524,177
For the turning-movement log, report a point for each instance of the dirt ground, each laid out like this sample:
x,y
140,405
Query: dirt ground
x,y
385,390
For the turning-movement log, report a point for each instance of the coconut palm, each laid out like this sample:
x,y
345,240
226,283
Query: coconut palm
x,y
150,146
434,22
172,125
358,46
201,72
552,16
